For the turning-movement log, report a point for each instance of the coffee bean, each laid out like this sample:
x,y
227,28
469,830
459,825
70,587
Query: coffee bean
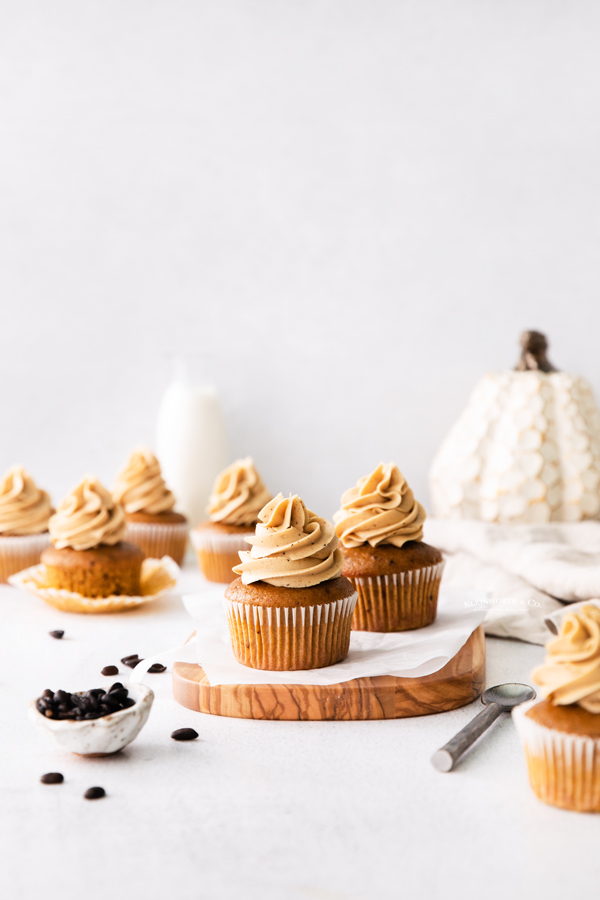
x,y
94,793
117,686
52,778
109,670
157,667
132,662
125,659
91,705
56,634
184,734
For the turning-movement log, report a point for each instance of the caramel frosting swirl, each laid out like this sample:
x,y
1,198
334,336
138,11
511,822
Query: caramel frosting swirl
x,y
87,517
292,547
238,495
24,508
381,509
571,673
140,486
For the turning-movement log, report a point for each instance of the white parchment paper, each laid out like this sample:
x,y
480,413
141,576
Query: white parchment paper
x,y
407,654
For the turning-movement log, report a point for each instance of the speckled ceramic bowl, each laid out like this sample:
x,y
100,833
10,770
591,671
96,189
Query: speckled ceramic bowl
x,y
103,736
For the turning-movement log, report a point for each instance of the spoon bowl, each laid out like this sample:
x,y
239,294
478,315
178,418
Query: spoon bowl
x,y
508,695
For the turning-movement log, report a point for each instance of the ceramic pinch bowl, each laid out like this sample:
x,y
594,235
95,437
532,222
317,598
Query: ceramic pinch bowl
x,y
99,737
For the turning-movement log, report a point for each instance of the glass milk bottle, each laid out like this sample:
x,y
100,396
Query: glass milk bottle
x,y
191,443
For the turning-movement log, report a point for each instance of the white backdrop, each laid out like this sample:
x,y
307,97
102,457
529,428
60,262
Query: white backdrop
x,y
356,206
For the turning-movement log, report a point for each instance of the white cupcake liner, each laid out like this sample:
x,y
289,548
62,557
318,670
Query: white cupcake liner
x,y
397,602
157,578
211,541
158,540
283,638
564,768
20,552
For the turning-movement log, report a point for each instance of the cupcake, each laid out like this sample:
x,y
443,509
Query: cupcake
x,y
291,608
151,521
24,514
561,731
88,554
397,575
238,495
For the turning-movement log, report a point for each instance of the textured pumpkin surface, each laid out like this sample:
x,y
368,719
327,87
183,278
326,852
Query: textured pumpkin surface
x,y
526,449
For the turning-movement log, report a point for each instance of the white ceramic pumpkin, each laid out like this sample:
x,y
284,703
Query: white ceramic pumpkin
x,y
526,448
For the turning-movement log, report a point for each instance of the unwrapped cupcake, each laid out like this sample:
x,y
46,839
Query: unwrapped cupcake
x,y
24,514
396,574
291,608
238,495
88,554
152,522
561,731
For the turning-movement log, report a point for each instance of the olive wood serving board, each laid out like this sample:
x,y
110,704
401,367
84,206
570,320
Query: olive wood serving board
x,y
383,697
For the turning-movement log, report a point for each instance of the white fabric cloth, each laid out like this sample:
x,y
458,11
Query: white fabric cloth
x,y
526,569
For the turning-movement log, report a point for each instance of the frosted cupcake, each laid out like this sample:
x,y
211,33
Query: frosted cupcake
x,y
88,554
561,732
151,521
291,608
238,495
397,575
24,514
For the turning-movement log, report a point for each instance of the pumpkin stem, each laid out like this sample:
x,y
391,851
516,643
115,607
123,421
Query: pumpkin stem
x,y
533,355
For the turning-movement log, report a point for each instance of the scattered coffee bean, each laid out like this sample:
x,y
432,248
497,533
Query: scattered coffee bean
x,y
132,662
56,634
91,705
52,778
125,660
184,734
94,793
157,667
109,670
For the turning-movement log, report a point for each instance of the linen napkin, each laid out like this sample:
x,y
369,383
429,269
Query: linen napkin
x,y
526,569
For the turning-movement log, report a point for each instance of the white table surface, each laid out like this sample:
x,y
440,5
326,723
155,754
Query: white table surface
x,y
265,810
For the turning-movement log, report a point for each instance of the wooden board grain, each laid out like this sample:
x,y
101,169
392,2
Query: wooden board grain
x,y
382,697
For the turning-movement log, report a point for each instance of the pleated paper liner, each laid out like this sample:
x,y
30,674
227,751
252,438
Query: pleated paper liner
x,y
284,639
218,553
564,769
157,578
20,552
158,540
397,602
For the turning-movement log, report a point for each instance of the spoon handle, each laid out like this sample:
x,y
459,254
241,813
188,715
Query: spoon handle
x,y
445,759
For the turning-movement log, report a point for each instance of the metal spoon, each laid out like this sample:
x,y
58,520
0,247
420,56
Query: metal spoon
x,y
499,699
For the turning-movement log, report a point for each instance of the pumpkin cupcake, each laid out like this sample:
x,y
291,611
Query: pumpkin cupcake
x,y
397,575
291,608
88,554
561,732
24,514
238,495
151,521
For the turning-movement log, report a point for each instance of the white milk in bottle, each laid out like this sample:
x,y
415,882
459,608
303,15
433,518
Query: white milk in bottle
x,y
191,442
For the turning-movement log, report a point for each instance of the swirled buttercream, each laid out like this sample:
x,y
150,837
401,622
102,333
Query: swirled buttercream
x,y
381,509
571,672
292,547
24,508
140,486
87,517
238,495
